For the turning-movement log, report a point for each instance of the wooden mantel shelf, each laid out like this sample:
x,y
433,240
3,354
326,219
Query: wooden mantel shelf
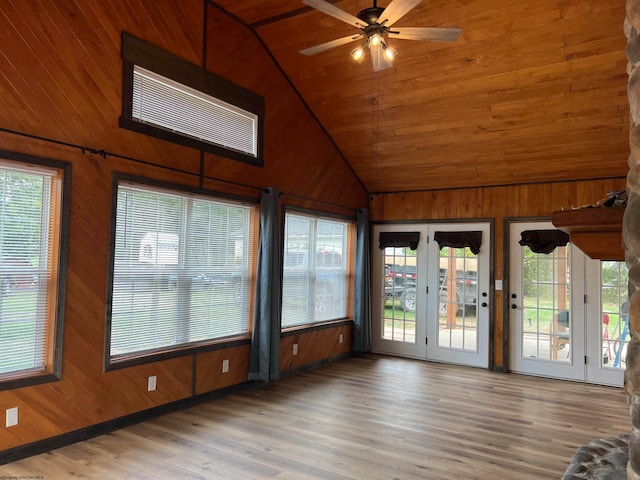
x,y
596,231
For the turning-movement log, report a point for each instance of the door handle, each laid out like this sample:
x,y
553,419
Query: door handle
x,y
513,306
484,304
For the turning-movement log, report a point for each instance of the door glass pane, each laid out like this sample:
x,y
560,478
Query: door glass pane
x,y
614,331
546,329
400,277
458,294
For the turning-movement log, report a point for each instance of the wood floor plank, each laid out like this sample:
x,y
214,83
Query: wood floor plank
x,y
370,417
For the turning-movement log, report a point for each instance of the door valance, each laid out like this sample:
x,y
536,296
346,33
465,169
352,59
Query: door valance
x,y
399,239
473,240
543,241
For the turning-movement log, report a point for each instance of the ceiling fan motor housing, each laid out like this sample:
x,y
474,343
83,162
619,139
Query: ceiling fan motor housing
x,y
370,15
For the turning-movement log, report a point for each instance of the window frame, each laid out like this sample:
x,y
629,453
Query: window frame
x,y
150,57
349,259
60,194
174,351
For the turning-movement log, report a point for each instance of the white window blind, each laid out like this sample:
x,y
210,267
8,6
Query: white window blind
x,y
314,285
29,219
165,103
182,270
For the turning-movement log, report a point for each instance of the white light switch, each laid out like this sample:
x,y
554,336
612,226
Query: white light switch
x,y
12,417
225,366
152,383
498,285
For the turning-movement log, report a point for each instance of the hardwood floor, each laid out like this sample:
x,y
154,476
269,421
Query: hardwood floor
x,y
370,417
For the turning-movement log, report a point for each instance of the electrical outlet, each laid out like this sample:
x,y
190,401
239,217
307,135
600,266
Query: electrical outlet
x,y
11,417
341,338
225,366
295,348
152,383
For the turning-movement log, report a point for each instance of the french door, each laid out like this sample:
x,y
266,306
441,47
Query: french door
x,y
432,302
566,312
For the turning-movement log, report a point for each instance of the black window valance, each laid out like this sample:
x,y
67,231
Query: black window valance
x,y
399,239
543,241
473,240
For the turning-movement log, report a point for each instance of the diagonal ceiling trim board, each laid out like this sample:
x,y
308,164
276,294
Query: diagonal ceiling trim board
x,y
500,185
293,87
284,16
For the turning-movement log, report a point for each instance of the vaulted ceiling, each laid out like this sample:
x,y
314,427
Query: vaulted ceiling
x,y
532,91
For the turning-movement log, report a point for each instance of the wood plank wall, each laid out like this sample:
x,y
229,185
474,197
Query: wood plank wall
x,y
61,79
498,203
314,346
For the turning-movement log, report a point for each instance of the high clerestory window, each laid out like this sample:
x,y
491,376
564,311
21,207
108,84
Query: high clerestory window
x,y
183,272
170,98
33,235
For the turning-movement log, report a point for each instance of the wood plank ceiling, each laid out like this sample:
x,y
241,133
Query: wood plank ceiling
x,y
531,92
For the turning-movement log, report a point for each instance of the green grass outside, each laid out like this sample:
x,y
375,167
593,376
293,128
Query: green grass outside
x,y
19,349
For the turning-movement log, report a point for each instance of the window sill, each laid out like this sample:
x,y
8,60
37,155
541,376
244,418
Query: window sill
x,y
166,354
294,329
27,380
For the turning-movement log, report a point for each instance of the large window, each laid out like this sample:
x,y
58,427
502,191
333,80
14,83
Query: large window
x,y
170,98
32,224
315,286
182,271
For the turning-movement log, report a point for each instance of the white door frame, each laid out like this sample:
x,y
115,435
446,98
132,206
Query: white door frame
x,y
480,357
427,305
585,350
379,344
595,371
572,366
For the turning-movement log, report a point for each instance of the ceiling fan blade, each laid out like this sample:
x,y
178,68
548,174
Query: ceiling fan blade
x,y
396,10
335,12
333,43
378,59
426,33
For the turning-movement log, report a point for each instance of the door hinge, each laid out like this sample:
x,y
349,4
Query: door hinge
x,y
426,340
427,290
585,299
586,360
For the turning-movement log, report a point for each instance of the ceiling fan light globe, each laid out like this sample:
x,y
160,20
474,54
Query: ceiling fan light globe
x,y
389,53
357,54
375,41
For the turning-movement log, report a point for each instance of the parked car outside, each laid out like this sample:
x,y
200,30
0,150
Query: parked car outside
x,y
17,273
400,284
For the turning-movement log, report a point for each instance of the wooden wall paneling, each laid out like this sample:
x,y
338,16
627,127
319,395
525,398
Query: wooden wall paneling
x,y
209,375
78,61
299,158
314,346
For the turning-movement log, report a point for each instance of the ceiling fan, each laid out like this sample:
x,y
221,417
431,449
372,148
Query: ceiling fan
x,y
376,24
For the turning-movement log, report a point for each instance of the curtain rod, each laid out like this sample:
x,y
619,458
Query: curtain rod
x,y
104,153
